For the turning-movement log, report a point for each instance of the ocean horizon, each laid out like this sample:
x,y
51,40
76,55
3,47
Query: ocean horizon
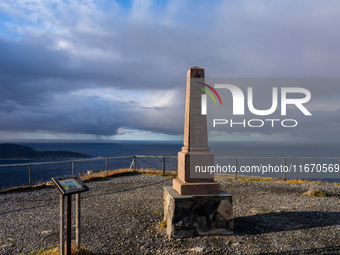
x,y
12,176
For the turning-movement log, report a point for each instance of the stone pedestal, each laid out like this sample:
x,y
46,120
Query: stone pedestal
x,y
190,215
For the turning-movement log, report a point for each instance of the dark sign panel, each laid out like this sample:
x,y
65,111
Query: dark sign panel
x,y
69,184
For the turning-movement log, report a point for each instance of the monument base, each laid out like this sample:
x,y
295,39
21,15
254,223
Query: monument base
x,y
195,188
190,216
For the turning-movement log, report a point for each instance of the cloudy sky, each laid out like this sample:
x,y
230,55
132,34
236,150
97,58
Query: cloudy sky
x,y
97,69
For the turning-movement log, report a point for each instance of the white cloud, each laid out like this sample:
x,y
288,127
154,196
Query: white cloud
x,y
144,99
78,62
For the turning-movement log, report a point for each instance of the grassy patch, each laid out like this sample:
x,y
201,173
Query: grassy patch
x,y
98,176
301,181
162,225
55,251
276,179
319,194
157,172
22,188
296,181
316,193
101,175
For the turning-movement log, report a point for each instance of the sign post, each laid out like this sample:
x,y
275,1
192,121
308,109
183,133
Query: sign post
x,y
68,185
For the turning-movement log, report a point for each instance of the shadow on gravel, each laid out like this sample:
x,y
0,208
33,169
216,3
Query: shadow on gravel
x,y
107,192
89,195
284,221
323,250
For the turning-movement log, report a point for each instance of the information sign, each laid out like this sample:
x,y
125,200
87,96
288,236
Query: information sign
x,y
70,184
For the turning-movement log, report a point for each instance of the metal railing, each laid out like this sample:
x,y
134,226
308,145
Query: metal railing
x,y
64,161
71,169
159,163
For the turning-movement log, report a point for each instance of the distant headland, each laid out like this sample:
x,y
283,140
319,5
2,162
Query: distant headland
x,y
15,151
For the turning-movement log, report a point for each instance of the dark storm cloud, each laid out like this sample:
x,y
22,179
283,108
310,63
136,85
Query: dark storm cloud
x,y
82,68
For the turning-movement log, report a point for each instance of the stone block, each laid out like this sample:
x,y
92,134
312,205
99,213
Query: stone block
x,y
225,209
197,188
190,216
220,222
184,233
93,171
206,207
186,221
203,223
187,162
183,210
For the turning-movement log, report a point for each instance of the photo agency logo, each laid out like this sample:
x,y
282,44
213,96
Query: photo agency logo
x,y
281,99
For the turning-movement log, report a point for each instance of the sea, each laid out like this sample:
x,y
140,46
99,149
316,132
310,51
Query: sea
x,y
259,159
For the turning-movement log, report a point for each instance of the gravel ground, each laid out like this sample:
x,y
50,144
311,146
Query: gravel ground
x,y
121,215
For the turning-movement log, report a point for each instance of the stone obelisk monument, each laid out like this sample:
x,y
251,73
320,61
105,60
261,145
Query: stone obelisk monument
x,y
195,152
195,205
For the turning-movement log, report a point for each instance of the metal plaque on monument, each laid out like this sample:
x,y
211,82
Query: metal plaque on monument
x,y
195,205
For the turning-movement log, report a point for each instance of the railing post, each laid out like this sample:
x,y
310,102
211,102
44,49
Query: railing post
x,y
284,173
107,170
72,167
236,168
134,163
163,166
29,175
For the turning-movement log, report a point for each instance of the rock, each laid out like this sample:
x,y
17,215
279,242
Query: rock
x,y
6,245
206,207
315,192
221,222
192,216
198,249
235,244
93,171
46,232
145,246
261,210
11,239
81,174
186,221
184,233
203,223
225,209
183,209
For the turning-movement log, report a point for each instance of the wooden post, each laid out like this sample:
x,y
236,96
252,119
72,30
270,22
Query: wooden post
x,y
72,167
62,226
69,224
78,221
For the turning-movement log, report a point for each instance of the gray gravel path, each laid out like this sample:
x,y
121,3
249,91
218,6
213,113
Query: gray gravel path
x,y
121,215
